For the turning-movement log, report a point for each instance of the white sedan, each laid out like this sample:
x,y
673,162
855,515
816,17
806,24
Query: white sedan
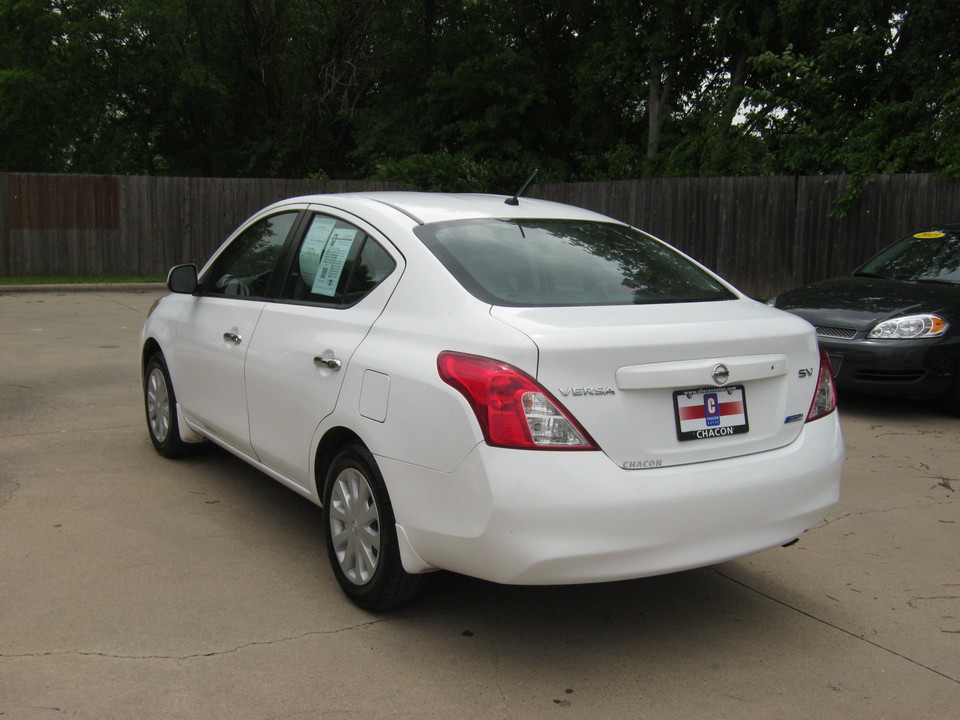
x,y
520,391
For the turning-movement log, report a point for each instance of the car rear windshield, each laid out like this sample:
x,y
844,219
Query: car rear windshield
x,y
932,255
536,263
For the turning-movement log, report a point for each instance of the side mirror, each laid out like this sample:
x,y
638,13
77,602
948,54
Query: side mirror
x,y
182,279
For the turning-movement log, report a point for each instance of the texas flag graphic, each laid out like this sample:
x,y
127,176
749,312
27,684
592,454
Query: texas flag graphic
x,y
710,412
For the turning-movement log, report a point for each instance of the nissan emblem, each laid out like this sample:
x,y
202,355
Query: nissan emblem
x,y
720,374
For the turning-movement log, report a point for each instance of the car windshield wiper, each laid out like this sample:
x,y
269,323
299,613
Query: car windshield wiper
x,y
864,273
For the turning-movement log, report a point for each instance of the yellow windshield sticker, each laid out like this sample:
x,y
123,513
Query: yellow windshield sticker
x,y
929,235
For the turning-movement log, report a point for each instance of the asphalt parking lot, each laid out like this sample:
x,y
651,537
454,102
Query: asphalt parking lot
x,y
137,587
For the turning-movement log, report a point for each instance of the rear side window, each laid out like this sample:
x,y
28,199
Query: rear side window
x,y
336,264
535,263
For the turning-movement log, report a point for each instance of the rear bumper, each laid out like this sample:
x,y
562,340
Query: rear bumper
x,y
557,518
920,368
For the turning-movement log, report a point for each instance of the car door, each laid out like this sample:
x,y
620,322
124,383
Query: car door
x,y
339,280
214,332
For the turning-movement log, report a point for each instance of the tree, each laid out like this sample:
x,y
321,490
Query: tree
x,y
866,96
475,94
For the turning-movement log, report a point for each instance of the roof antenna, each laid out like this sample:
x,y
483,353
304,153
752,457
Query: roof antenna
x,y
515,200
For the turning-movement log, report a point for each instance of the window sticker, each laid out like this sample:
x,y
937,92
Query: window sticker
x,y
332,261
930,235
313,246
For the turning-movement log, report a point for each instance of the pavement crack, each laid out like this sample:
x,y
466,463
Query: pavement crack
x,y
136,310
912,602
911,433
880,511
7,487
73,431
193,656
924,471
836,627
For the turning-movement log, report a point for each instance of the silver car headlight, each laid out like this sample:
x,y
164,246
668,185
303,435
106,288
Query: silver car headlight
x,y
909,327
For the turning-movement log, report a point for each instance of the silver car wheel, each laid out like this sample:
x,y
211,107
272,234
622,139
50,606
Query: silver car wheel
x,y
354,526
158,405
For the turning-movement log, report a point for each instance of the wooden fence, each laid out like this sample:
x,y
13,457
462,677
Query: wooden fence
x,y
135,226
764,234
768,234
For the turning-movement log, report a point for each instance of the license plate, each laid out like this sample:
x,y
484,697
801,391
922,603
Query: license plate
x,y
710,412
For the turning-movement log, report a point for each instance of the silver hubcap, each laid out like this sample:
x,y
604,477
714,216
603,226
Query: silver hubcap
x,y
158,405
355,526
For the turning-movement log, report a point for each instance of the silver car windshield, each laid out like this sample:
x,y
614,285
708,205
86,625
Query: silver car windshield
x,y
932,256
537,263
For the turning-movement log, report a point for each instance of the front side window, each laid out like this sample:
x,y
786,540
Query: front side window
x,y
245,267
533,263
337,264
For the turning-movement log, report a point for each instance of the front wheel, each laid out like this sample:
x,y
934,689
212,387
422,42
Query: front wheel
x,y
160,404
361,536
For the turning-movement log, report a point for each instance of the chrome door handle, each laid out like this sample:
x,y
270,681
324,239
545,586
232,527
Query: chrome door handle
x,y
232,337
331,363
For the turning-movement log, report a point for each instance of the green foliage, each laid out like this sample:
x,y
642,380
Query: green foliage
x,y
439,171
473,95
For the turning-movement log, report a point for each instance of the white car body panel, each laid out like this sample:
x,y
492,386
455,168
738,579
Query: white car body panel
x,y
643,503
210,367
288,391
619,349
556,518
426,423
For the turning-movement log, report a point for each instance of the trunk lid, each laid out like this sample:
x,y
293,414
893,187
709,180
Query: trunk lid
x,y
645,380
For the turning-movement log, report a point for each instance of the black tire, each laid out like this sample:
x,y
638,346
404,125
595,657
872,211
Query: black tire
x,y
360,534
160,404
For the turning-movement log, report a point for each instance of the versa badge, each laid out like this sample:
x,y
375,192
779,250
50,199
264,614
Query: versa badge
x,y
578,391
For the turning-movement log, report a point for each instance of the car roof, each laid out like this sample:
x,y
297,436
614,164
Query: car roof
x,y
426,207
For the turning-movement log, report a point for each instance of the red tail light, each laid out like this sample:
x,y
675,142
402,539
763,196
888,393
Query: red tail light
x,y
825,397
512,408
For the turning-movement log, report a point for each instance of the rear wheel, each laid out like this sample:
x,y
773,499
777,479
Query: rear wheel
x,y
160,404
361,536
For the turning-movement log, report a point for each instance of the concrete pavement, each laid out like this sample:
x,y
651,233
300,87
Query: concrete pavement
x,y
137,587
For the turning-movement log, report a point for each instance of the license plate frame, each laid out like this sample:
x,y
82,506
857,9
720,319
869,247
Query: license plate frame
x,y
710,412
